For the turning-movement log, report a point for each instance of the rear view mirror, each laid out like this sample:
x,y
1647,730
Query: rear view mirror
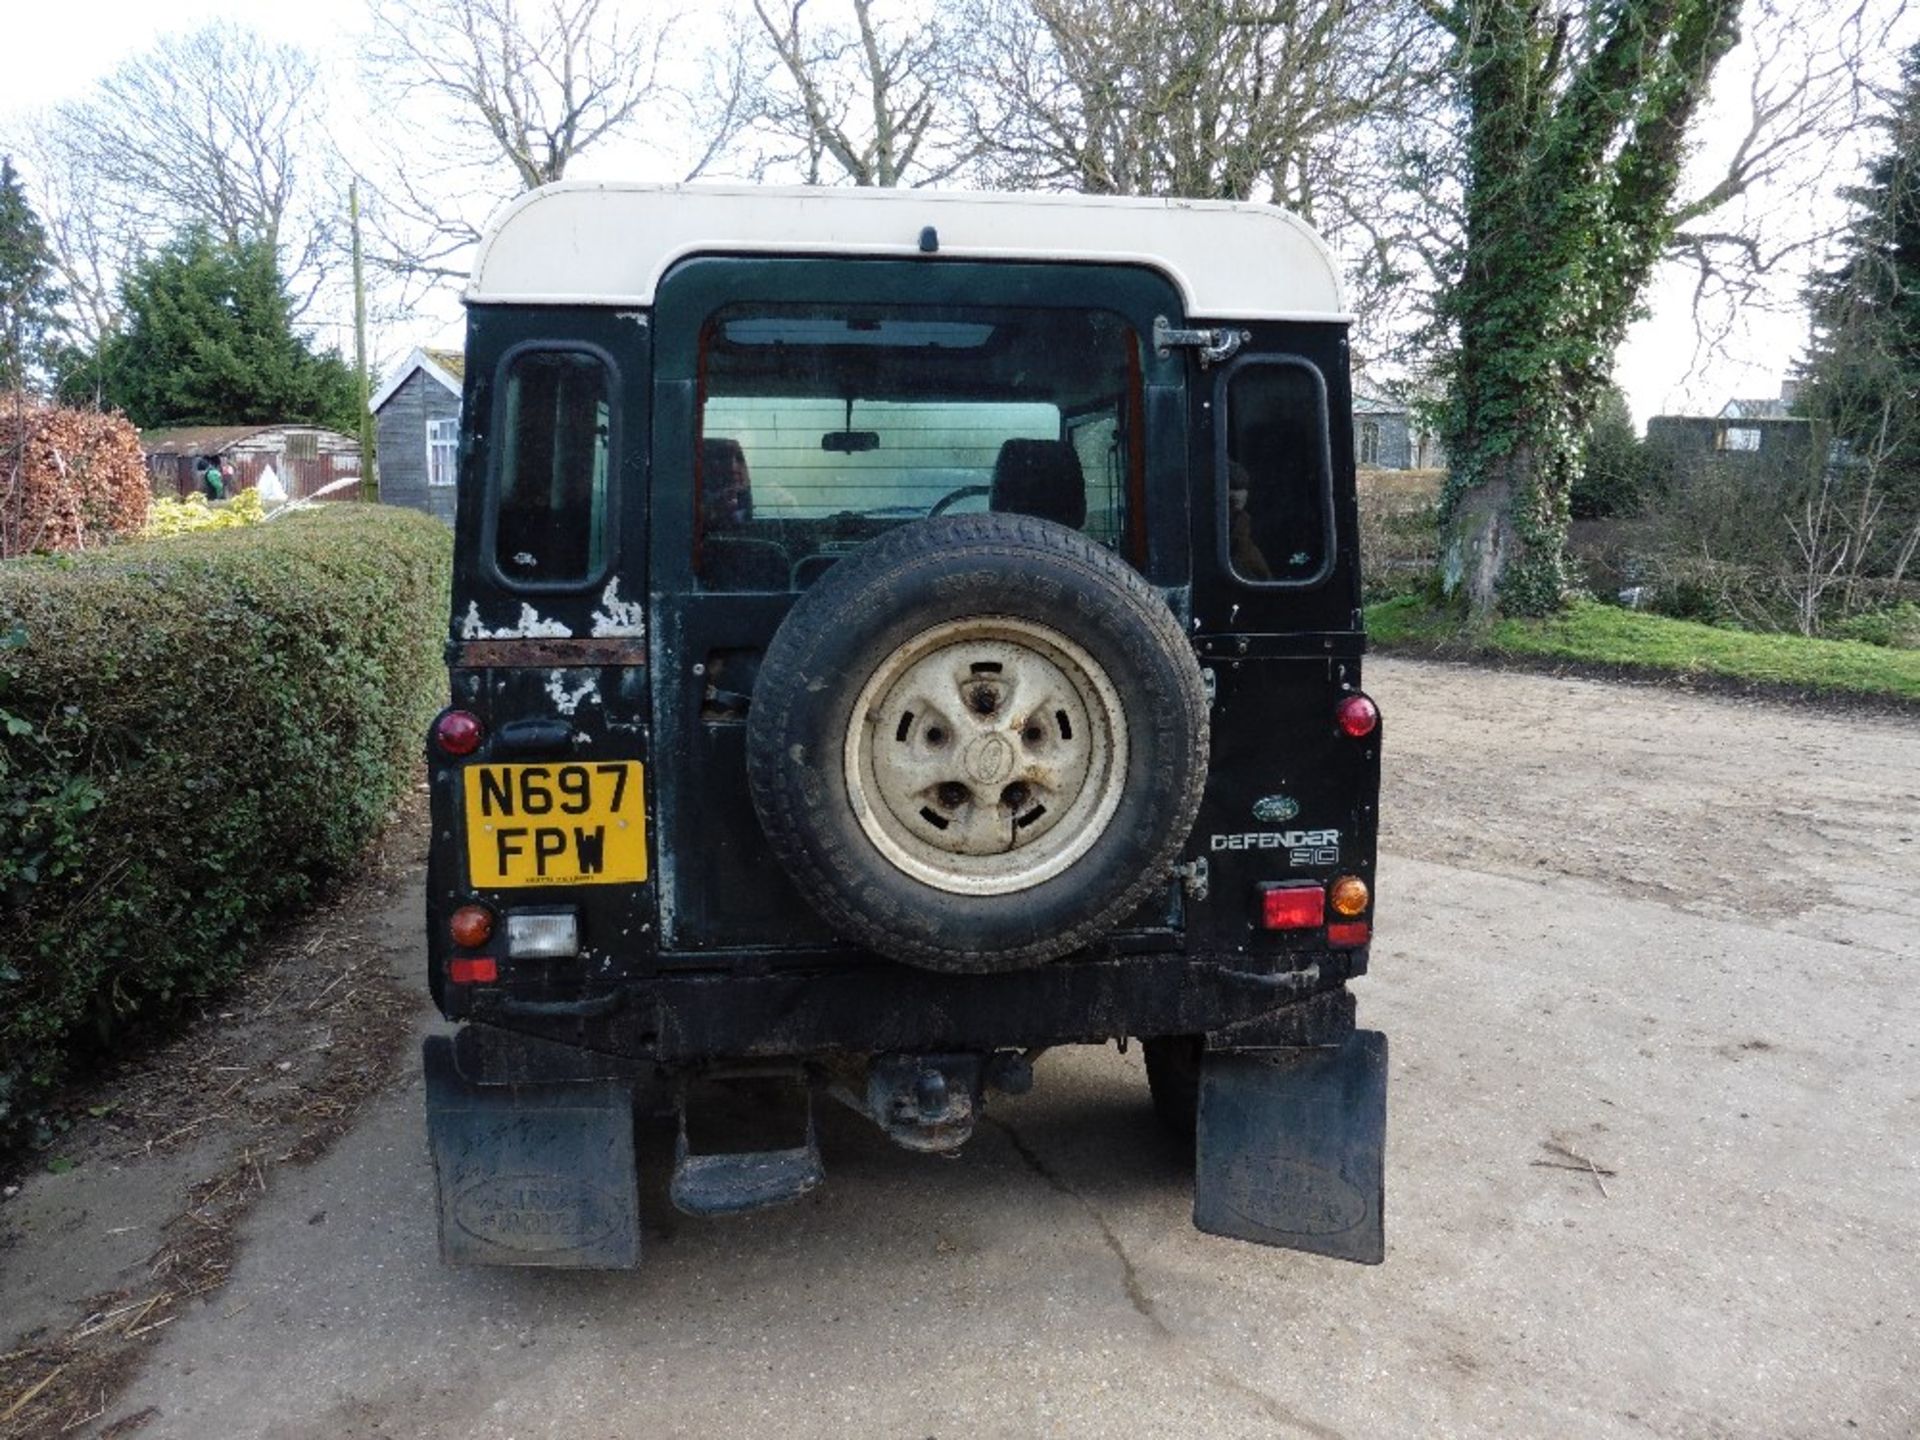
x,y
850,442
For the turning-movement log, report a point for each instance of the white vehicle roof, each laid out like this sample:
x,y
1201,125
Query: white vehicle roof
x,y
588,243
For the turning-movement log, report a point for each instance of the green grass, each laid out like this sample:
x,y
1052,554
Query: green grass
x,y
1589,633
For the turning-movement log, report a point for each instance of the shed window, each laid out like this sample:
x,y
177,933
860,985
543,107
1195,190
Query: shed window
x,y
443,440
1369,442
1740,437
1276,517
550,523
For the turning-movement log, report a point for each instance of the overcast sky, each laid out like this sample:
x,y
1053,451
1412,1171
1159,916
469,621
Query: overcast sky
x,y
1665,366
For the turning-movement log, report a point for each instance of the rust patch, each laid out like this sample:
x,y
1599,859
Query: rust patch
x,y
555,653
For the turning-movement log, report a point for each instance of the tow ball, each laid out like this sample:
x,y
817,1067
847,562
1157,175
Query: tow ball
x,y
930,1103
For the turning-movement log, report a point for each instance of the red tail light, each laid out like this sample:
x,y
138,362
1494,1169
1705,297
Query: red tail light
x,y
473,970
458,733
1357,716
1350,935
1292,907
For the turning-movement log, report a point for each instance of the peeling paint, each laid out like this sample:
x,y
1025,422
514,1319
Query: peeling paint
x,y
529,626
619,617
567,701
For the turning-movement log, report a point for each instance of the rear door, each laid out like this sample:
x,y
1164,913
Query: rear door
x,y
548,642
1277,623
802,407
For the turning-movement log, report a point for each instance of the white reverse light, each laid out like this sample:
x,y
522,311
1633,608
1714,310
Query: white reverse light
x,y
543,937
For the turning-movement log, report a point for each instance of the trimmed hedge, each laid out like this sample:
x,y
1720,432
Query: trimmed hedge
x,y
196,736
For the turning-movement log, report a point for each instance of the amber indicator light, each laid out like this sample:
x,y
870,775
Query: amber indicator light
x,y
1348,896
471,926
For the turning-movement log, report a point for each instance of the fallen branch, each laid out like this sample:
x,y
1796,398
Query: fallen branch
x,y
33,1390
1581,1162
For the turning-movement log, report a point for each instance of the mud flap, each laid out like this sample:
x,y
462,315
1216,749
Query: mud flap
x,y
1291,1148
539,1174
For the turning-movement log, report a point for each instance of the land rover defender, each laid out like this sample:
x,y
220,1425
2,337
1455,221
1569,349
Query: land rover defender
x,y
896,633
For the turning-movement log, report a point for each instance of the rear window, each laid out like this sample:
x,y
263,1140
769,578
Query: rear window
x,y
1276,523
823,425
550,500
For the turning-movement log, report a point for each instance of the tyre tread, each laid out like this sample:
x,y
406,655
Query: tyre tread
x,y
868,574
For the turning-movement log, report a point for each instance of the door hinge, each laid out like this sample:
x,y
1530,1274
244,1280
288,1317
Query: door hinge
x,y
1213,345
1193,878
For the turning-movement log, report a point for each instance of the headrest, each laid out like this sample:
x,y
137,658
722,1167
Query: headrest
x,y
1040,478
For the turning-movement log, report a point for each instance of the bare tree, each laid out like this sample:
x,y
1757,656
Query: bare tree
x,y
483,99
529,85
91,237
1307,103
1202,98
1753,210
873,98
217,126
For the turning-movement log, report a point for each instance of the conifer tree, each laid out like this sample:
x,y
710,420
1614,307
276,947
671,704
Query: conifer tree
x,y
29,324
1862,374
209,339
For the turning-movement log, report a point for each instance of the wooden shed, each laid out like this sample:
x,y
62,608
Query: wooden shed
x,y
417,422
305,458
1387,434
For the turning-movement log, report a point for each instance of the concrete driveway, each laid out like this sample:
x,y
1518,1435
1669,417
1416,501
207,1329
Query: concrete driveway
x,y
1675,935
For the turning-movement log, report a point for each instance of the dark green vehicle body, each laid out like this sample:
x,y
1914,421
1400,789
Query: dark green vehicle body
x,y
715,964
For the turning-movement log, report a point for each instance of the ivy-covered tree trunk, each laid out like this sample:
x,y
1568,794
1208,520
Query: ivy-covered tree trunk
x,y
1576,125
1506,530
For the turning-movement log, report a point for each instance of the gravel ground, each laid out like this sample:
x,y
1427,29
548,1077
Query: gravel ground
x,y
1673,934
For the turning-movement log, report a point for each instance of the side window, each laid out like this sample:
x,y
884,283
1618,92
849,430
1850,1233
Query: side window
x,y
550,499
1276,525
443,441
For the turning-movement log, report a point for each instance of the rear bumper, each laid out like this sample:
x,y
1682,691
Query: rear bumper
x,y
1238,1002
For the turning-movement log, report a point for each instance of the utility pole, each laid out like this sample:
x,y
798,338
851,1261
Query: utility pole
x,y
369,487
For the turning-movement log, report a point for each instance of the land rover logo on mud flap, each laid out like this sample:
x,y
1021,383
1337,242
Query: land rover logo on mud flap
x,y
1314,1199
536,1213
1275,809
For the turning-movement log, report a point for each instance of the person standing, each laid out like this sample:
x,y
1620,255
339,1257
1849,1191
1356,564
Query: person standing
x,y
214,481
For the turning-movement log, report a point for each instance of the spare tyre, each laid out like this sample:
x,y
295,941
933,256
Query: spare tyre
x,y
978,743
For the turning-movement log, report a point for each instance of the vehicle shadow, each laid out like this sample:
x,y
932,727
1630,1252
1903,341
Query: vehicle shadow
x,y
1081,1149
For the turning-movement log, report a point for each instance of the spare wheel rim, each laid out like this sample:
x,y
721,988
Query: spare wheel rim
x,y
986,755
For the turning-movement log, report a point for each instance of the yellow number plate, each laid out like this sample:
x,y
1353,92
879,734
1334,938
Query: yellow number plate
x,y
576,824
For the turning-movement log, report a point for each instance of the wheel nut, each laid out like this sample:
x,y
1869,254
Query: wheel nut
x,y
953,794
984,700
936,736
1015,796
